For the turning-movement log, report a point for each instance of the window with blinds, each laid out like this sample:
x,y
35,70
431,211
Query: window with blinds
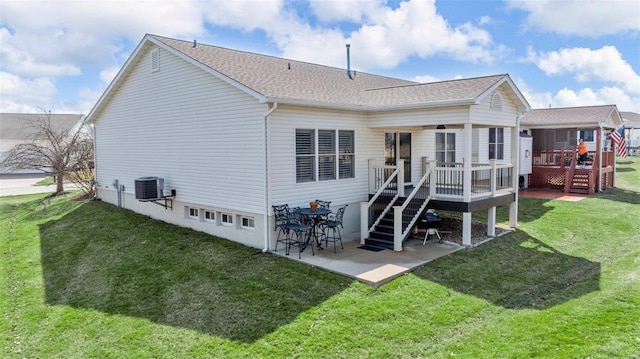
x,y
305,156
332,158
327,155
346,150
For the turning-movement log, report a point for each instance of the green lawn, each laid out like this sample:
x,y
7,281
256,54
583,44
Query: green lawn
x,y
88,280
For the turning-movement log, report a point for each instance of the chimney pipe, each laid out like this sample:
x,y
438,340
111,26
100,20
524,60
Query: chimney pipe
x,y
349,62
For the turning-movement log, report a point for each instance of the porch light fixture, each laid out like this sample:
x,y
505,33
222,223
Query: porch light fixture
x,y
441,127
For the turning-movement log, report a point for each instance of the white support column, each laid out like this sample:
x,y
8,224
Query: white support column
x,y
466,164
364,221
466,228
400,167
397,228
491,222
515,159
372,175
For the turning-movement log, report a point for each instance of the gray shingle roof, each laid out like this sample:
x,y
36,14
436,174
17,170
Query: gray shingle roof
x,y
568,115
631,119
282,79
13,126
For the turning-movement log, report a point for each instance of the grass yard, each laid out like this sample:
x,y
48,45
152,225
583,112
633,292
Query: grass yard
x,y
88,280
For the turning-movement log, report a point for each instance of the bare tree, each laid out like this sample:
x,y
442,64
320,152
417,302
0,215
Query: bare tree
x,y
61,152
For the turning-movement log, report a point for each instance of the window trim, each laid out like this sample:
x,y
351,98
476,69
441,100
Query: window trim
x,y
315,155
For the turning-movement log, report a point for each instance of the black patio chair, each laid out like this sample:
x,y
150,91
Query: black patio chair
x,y
301,231
321,219
281,218
334,223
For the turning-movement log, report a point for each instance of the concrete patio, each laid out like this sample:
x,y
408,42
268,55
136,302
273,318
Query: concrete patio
x,y
373,268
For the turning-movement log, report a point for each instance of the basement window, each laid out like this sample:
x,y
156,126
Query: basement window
x,y
226,219
247,222
209,216
193,213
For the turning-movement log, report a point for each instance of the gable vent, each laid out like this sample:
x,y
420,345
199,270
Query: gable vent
x,y
496,101
155,60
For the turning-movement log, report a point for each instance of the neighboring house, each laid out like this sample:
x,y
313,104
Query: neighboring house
x,y
632,132
14,130
232,133
556,132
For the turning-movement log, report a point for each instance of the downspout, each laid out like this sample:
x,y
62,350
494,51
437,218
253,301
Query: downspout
x,y
266,177
95,162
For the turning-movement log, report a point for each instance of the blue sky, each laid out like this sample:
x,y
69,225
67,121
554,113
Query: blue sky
x,y
61,55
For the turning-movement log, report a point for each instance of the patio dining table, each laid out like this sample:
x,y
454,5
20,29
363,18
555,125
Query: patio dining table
x,y
313,219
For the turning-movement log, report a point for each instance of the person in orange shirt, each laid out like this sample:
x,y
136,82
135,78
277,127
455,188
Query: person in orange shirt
x,y
582,152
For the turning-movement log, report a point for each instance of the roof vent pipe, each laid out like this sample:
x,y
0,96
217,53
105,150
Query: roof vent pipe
x,y
195,44
349,62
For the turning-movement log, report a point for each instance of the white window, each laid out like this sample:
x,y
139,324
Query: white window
x,y
327,157
209,216
586,135
155,60
226,219
445,148
247,223
496,143
193,213
332,158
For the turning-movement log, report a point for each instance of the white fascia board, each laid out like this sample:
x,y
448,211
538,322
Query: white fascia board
x,y
304,103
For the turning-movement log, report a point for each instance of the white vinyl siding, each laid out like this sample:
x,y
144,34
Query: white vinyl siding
x,y
203,136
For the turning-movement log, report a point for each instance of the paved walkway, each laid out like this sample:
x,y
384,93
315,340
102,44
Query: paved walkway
x,y
17,184
373,268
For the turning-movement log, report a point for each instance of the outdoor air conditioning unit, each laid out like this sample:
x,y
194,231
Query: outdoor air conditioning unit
x,y
149,188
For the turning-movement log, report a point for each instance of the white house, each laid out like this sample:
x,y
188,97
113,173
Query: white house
x,y
632,132
15,129
233,133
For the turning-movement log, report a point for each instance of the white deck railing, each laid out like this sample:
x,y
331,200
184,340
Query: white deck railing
x,y
444,181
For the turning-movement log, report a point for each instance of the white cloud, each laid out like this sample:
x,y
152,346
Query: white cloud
x,y
347,10
390,37
584,97
426,78
50,37
25,95
605,64
583,18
